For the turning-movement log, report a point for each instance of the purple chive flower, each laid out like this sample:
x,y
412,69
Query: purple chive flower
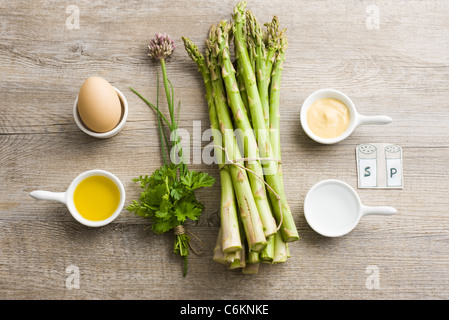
x,y
161,46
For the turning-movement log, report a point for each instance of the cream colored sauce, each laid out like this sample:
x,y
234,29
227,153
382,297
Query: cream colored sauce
x,y
328,118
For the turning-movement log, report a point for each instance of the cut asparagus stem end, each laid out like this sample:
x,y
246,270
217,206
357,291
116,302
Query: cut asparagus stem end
x,y
232,249
257,247
251,268
289,235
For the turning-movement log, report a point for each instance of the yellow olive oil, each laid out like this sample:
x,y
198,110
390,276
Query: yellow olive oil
x,y
96,198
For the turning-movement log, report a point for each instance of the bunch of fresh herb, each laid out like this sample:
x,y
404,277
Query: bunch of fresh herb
x,y
168,196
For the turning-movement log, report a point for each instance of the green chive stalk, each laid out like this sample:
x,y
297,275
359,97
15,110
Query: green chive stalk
x,y
159,49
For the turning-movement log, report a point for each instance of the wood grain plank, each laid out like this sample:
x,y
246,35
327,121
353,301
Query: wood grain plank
x,y
400,69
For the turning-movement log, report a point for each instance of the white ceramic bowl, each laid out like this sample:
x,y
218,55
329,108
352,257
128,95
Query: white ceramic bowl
x,y
108,134
333,208
67,197
355,119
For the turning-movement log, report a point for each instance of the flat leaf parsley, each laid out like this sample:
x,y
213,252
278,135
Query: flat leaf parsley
x,y
168,196
168,199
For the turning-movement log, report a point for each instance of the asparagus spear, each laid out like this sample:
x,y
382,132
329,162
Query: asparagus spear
x,y
280,249
272,176
241,255
251,268
275,89
253,257
247,206
262,65
237,259
266,255
272,52
231,241
242,89
228,214
220,57
219,255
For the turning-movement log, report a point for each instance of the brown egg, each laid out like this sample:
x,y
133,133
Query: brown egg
x,y
99,105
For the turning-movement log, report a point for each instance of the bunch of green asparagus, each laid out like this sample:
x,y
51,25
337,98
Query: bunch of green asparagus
x,y
242,93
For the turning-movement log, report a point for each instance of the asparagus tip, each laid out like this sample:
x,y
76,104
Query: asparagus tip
x,y
239,11
192,50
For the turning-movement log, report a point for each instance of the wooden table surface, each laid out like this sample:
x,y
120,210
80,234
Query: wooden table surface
x,y
390,57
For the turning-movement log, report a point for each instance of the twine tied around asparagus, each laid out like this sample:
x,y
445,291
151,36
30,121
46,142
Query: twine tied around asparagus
x,y
229,161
